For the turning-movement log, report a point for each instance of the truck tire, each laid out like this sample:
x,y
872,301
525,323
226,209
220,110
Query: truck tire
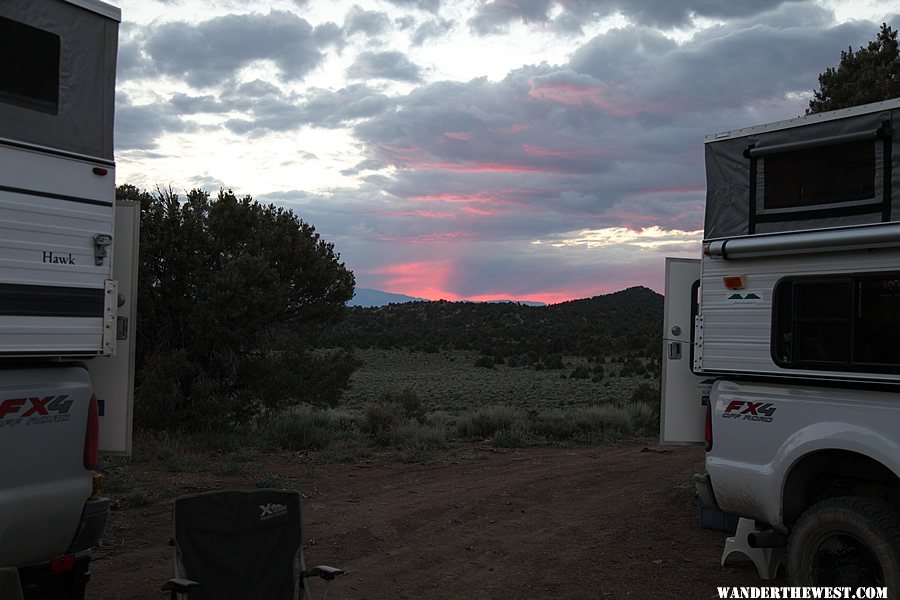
x,y
849,541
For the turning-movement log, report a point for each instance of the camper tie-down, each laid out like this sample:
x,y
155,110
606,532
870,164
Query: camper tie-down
x,y
782,345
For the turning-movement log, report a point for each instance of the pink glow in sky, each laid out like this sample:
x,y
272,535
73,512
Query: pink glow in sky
x,y
451,148
420,279
567,93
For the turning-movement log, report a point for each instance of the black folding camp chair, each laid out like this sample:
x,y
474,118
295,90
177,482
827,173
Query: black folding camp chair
x,y
240,545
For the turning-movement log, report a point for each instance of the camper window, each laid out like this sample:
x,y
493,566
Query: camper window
x,y
846,323
843,177
816,176
29,67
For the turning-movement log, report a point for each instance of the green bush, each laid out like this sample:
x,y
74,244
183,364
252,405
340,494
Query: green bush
x,y
553,361
413,434
231,295
645,418
647,393
485,422
552,425
408,400
303,428
581,372
441,418
604,421
345,424
485,362
509,438
379,420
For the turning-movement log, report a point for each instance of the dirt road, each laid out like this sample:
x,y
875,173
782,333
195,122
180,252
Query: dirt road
x,y
601,522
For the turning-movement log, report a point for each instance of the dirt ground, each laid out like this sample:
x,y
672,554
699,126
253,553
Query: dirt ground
x,y
601,522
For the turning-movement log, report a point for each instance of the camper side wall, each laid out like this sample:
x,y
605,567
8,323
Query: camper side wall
x,y
56,232
820,315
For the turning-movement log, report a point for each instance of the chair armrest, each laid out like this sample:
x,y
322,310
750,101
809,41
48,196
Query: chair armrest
x,y
325,572
180,585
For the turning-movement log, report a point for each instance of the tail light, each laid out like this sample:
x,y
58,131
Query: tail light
x,y
708,427
92,436
62,564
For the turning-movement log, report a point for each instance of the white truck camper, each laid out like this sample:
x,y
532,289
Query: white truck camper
x,y
68,260
782,345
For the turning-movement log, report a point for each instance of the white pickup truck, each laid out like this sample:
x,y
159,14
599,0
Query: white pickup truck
x,y
68,253
782,342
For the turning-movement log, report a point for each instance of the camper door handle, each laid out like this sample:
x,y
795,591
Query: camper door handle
x,y
675,350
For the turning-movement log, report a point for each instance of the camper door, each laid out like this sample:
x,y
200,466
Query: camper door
x,y
682,415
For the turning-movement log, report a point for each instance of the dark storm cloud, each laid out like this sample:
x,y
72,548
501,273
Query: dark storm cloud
x,y
384,65
210,52
265,107
494,16
270,110
726,67
614,138
139,126
336,109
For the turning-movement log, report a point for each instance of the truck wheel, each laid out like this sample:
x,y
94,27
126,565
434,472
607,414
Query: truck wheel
x,y
851,541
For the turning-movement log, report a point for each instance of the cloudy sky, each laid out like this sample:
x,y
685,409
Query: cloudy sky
x,y
530,149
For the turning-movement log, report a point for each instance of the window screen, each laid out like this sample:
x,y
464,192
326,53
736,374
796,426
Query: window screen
x,y
29,67
849,323
817,176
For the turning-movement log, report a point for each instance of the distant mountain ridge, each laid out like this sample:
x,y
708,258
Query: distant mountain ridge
x,y
372,298
623,323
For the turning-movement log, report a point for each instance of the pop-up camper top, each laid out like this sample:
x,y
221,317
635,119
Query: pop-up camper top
x,y
801,264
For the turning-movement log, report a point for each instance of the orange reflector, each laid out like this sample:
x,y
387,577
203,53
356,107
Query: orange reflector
x,y
734,282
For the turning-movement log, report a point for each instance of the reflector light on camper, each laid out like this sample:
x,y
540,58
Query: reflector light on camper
x,y
100,171
734,282
706,249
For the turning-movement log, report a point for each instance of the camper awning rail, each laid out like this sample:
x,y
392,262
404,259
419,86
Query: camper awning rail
x,y
761,151
806,242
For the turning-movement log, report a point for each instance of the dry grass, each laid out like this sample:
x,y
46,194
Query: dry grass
x,y
449,382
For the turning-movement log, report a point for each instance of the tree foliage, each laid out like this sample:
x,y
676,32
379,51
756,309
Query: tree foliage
x,y
228,291
868,75
623,324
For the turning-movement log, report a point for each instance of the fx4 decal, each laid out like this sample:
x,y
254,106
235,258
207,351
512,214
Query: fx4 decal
x,y
34,411
749,411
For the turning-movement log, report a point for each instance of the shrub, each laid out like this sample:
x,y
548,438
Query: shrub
x,y
485,422
555,425
645,418
441,418
647,393
303,428
553,361
485,362
417,435
408,400
379,420
604,421
509,438
581,372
